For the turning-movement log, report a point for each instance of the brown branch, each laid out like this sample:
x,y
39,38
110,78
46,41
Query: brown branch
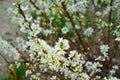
x,y
84,44
73,25
45,16
21,11
109,29
87,42
33,3
23,14
4,58
110,15
114,53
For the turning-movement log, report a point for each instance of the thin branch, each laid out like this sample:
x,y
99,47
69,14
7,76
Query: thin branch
x,y
33,3
23,14
114,53
73,25
110,15
21,11
80,36
4,58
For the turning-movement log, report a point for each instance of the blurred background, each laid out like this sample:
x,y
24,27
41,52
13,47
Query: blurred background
x,y
7,30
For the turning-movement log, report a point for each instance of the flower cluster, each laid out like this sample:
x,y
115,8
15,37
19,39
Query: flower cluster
x,y
88,31
104,49
9,50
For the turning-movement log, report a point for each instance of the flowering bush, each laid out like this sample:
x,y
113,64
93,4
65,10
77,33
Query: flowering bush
x,y
66,39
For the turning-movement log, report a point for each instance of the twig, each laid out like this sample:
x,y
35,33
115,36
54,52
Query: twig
x,y
22,13
33,3
73,25
110,14
4,58
114,54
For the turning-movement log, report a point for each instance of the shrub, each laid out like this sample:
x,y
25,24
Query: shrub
x,y
66,39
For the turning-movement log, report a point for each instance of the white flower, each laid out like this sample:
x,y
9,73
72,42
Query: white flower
x,y
88,32
73,54
11,66
47,31
104,49
24,8
6,48
84,76
28,72
103,24
12,11
53,78
34,77
88,65
117,32
28,18
107,10
113,78
115,67
20,44
100,58
112,71
18,65
22,29
62,44
77,27
98,77
117,39
64,30
35,29
79,6
98,13
93,67
46,47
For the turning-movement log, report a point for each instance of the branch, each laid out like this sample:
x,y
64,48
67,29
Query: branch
x,y
23,14
73,25
4,58
33,3
110,14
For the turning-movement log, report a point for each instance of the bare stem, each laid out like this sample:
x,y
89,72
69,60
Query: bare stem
x,y
110,14
23,14
4,58
33,3
73,25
